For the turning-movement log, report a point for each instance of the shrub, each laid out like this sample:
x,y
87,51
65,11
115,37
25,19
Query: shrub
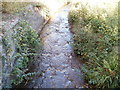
x,y
96,40
27,45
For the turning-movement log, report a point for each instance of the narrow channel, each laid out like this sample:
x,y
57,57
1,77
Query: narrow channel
x,y
59,67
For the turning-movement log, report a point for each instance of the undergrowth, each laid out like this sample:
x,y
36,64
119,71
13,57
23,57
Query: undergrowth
x,y
96,41
27,45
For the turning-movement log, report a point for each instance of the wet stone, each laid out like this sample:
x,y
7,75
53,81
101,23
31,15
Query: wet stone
x,y
49,73
47,83
59,73
57,60
59,81
67,48
61,42
69,84
38,82
53,37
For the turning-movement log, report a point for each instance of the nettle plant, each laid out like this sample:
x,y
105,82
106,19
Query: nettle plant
x,y
27,45
96,40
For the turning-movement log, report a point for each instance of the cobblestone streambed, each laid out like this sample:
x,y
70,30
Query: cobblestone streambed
x,y
59,67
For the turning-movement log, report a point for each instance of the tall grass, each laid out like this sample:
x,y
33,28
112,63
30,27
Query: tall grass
x,y
96,40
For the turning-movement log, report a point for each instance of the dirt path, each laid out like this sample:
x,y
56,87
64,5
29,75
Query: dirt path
x,y
59,66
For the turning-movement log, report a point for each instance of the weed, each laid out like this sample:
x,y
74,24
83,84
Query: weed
x,y
26,46
95,40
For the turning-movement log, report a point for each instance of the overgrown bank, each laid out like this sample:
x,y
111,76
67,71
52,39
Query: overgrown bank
x,y
96,41
20,48
20,41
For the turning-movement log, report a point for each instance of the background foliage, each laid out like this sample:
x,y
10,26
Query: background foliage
x,y
11,7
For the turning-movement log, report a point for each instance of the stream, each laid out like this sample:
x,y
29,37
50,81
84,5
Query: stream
x,y
59,66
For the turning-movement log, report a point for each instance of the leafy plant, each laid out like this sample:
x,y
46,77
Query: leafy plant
x,y
26,47
96,40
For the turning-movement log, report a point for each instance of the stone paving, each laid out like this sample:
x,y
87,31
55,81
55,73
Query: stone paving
x,y
59,67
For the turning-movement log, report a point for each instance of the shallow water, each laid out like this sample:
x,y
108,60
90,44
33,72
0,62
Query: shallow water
x,y
59,67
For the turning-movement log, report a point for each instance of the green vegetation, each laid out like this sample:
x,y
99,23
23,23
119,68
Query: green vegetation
x,y
27,45
12,7
21,43
96,41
